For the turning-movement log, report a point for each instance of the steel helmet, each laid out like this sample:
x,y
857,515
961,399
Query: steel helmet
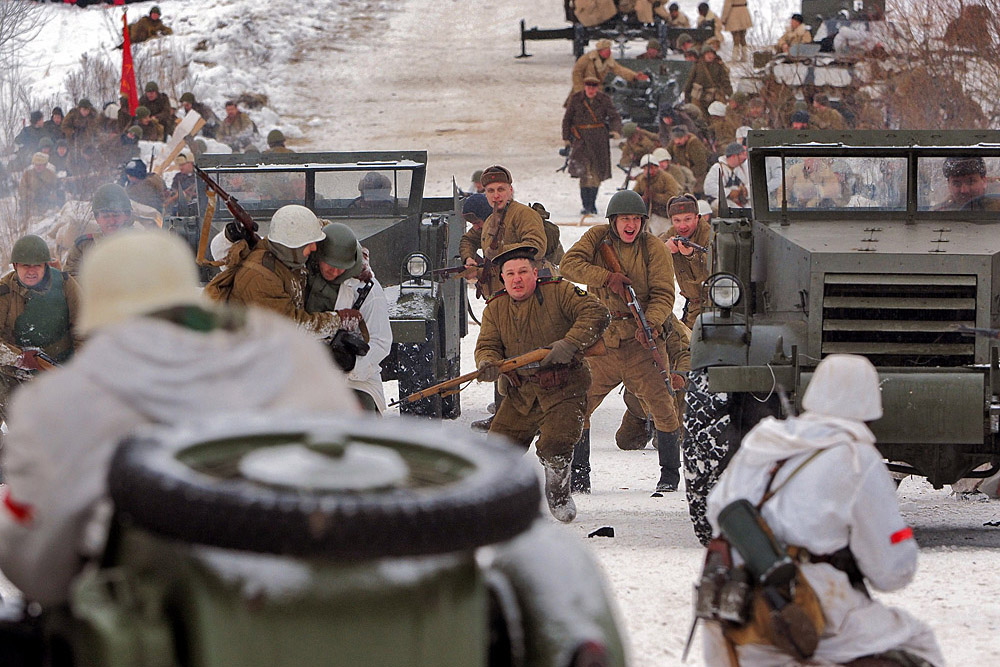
x,y
627,202
648,159
339,247
110,197
133,273
30,249
295,226
661,154
275,137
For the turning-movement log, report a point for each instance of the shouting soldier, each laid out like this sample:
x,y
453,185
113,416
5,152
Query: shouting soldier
x,y
550,400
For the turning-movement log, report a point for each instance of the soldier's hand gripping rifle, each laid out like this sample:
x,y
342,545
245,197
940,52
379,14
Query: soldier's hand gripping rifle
x,y
460,271
455,385
685,241
243,228
645,330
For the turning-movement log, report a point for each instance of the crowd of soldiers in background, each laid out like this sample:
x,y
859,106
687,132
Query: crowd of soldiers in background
x,y
67,156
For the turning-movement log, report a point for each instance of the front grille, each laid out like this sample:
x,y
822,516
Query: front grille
x,y
899,319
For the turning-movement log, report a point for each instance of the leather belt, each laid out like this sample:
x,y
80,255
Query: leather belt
x,y
592,126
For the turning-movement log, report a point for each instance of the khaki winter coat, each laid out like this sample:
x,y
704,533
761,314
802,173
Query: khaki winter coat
x,y
521,224
693,155
708,82
643,142
37,190
723,131
80,129
713,18
147,28
647,264
591,64
657,193
263,280
792,36
556,310
239,129
14,296
594,12
586,124
152,130
679,21
66,424
692,270
161,110
736,16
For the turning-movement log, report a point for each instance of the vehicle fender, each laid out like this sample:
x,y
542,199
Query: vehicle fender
x,y
719,341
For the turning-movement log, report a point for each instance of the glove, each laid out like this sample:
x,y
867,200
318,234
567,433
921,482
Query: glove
x,y
616,282
28,360
488,371
562,353
350,319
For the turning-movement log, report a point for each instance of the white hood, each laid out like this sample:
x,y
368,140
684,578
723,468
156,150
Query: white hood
x,y
775,440
166,371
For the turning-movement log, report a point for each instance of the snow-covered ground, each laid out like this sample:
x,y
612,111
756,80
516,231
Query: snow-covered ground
x,y
441,75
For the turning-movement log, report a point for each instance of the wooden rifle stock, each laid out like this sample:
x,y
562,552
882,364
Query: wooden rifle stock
x,y
239,213
646,331
453,386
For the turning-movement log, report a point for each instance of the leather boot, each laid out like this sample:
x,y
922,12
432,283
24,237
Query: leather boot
x,y
557,495
669,451
580,478
592,199
483,424
584,199
633,433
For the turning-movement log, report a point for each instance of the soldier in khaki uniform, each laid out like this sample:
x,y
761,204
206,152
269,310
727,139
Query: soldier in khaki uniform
x,y
112,211
797,33
551,400
236,130
80,125
276,142
675,18
159,107
823,116
689,151
683,175
151,128
273,275
598,63
38,311
637,426
720,126
657,188
638,142
690,266
511,223
709,80
648,269
148,27
736,19
37,189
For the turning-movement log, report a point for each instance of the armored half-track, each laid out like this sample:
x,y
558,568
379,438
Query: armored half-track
x,y
880,244
407,236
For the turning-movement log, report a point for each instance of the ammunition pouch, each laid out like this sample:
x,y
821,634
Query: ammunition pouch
x,y
506,382
346,347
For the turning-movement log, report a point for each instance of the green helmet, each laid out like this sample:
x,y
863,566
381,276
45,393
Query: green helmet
x,y
629,129
187,97
340,248
152,87
275,137
30,249
142,112
111,197
45,142
627,202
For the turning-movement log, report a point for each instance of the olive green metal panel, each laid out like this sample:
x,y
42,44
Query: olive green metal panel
x,y
930,408
758,379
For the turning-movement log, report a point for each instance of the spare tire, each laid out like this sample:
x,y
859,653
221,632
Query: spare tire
x,y
456,492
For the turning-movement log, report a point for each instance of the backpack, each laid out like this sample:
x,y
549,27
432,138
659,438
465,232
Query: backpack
x,y
775,607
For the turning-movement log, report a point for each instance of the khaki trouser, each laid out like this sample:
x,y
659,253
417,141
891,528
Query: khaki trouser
x,y
632,365
521,415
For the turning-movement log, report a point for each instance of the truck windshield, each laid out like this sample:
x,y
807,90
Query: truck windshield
x,y
958,183
832,183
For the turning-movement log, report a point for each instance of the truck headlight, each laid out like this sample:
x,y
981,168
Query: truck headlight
x,y
416,265
724,290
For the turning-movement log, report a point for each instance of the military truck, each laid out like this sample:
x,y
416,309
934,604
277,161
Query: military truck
x,y
872,243
407,236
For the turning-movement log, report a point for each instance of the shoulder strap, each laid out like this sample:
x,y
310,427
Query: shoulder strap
x,y
769,492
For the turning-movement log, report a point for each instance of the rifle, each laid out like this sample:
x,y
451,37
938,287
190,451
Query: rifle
x,y
243,227
978,331
528,359
45,362
611,260
628,177
449,272
685,241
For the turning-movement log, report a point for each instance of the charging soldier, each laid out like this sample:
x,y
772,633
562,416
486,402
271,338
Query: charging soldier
x,y
510,224
690,265
551,399
648,269
38,312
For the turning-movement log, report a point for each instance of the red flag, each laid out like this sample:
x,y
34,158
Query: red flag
x,y
128,88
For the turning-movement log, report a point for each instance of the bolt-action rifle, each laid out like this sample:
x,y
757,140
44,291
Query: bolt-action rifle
x,y
685,241
526,360
243,228
45,362
646,331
